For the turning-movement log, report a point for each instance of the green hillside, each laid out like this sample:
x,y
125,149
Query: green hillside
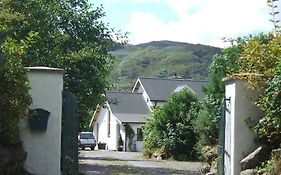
x,y
161,59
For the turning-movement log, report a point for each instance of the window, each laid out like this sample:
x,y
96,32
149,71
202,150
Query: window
x,y
87,136
139,134
108,123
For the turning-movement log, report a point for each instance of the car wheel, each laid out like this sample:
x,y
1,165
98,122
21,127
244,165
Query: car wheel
x,y
92,147
83,148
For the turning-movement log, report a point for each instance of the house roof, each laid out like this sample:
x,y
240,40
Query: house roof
x,y
128,107
161,89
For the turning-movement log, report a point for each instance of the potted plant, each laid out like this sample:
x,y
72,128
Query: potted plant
x,y
101,145
120,143
38,119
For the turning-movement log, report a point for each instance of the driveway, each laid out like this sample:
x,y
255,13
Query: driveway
x,y
131,163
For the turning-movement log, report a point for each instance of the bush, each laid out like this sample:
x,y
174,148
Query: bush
x,y
207,124
272,166
14,95
170,129
269,127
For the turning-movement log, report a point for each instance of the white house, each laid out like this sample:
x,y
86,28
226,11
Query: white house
x,y
156,91
131,108
121,109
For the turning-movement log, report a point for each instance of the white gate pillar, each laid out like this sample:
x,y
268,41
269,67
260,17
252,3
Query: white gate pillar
x,y
44,147
239,138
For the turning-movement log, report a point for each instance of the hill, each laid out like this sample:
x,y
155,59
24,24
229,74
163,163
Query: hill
x,y
161,59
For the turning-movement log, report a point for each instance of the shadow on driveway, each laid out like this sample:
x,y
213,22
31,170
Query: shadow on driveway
x,y
90,169
129,163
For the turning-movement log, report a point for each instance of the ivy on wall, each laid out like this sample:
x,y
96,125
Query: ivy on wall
x,y
14,87
130,134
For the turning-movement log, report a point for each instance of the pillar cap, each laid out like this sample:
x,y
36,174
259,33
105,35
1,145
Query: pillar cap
x,y
45,69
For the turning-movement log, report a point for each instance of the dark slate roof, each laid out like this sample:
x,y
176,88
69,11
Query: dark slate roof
x,y
128,107
161,89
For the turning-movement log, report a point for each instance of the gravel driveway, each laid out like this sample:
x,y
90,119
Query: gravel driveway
x,y
131,163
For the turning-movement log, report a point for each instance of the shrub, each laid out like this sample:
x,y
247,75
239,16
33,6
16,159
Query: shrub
x,y
170,129
272,166
269,127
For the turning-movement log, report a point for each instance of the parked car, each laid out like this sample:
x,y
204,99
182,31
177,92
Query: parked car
x,y
86,139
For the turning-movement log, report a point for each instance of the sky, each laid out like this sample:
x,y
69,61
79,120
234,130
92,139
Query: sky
x,y
192,21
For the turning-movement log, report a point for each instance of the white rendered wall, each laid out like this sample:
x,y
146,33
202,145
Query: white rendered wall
x,y
44,147
112,141
101,128
229,113
145,96
239,138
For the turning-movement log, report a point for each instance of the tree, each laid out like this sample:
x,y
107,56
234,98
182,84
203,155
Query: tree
x,y
244,59
258,60
72,36
14,83
14,87
207,123
169,128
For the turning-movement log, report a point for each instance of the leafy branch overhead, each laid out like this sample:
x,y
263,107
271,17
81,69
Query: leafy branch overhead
x,y
69,35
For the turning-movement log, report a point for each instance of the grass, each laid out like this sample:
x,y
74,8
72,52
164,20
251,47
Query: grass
x,y
161,60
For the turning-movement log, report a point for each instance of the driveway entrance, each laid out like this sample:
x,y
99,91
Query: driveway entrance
x,y
131,163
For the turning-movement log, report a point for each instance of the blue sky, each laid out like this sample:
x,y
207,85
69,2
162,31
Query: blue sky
x,y
192,21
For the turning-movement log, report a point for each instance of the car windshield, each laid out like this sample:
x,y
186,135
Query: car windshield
x,y
86,136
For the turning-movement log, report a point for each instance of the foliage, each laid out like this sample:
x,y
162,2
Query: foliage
x,y
272,166
210,154
130,134
265,167
259,63
161,59
14,100
259,59
170,129
207,123
269,126
260,54
255,59
71,36
247,58
14,86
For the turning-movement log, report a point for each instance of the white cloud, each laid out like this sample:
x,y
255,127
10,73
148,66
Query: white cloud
x,y
201,21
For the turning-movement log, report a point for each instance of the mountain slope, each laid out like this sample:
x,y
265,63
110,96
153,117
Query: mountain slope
x,y
161,59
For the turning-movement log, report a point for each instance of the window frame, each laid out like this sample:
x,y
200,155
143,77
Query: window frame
x,y
139,134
